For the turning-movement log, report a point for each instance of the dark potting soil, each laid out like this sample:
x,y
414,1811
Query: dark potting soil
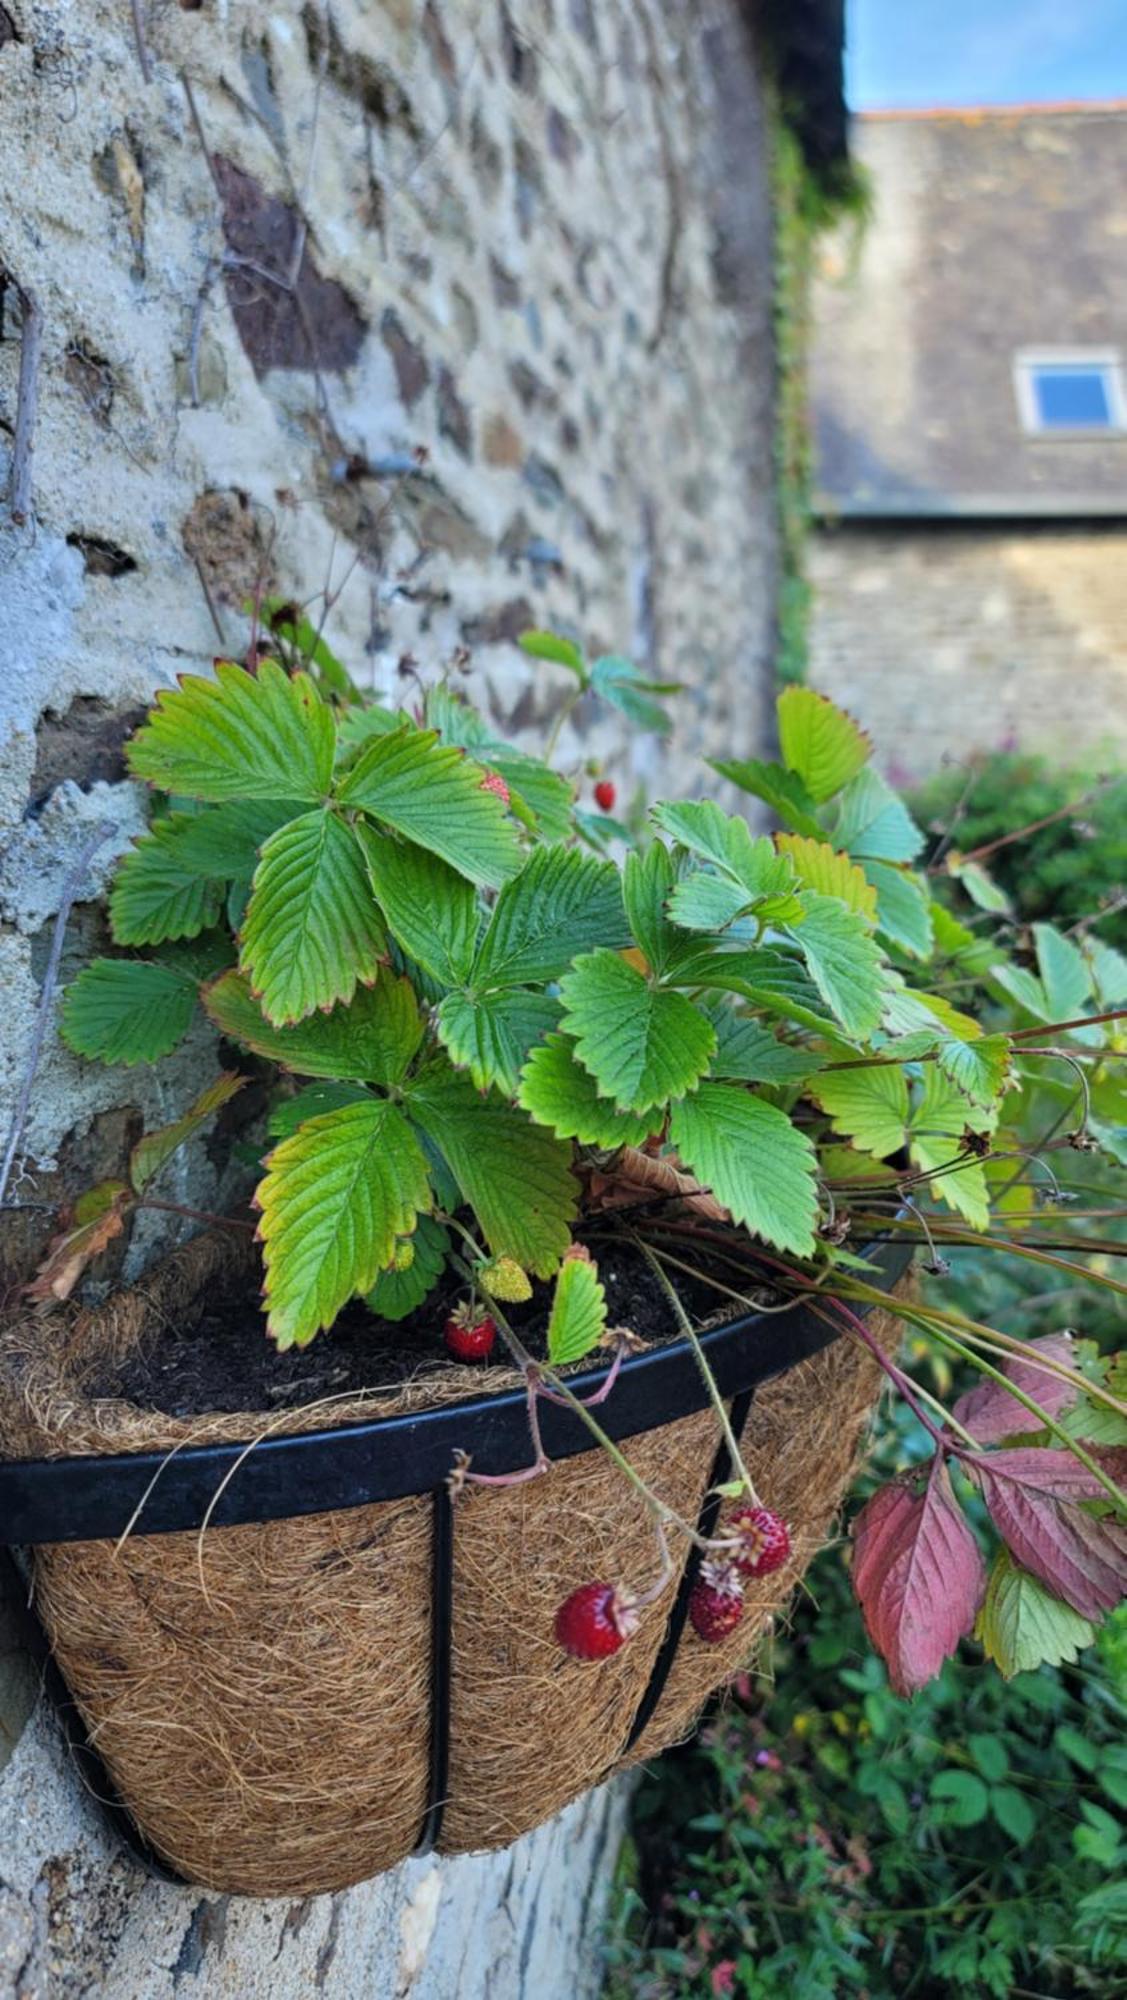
x,y
225,1361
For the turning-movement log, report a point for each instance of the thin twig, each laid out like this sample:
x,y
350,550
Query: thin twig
x,y
197,121
196,334
27,404
71,887
139,37
211,605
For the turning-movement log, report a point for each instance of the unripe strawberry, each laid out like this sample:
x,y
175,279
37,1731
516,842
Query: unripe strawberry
x,y
595,1621
605,795
763,1538
716,1604
470,1334
494,782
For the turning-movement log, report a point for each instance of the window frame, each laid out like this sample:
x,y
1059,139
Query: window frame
x,y
1104,361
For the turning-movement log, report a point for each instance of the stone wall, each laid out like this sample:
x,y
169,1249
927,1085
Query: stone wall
x,y
948,640
450,317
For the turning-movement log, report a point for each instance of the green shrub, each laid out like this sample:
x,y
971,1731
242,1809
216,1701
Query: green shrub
x,y
841,1840
1068,871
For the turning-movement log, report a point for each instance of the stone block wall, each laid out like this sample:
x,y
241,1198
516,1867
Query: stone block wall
x,y
447,317
945,640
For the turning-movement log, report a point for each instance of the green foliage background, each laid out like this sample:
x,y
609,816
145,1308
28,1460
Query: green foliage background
x,y
1074,869
824,1837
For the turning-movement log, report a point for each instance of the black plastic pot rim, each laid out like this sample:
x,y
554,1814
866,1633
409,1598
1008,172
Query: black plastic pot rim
x,y
98,1497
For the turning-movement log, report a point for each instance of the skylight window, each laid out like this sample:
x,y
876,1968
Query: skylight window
x,y
1070,393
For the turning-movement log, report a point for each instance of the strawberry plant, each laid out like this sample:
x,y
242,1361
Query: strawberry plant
x,y
750,1055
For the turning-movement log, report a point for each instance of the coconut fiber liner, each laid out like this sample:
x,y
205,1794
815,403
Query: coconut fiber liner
x,y
261,1694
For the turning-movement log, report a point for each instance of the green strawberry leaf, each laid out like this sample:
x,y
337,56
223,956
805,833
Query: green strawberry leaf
x,y
491,1034
560,652
842,960
747,1052
239,736
126,1010
770,981
780,789
334,1199
311,929
980,1067
648,881
873,824
539,795
753,1159
939,1124
579,1313
820,742
727,841
432,793
867,1106
562,903
515,1175
221,843
288,1113
703,902
904,908
981,887
1066,977
370,1041
642,1044
430,910
397,1292
1022,1626
154,898
624,685
557,1091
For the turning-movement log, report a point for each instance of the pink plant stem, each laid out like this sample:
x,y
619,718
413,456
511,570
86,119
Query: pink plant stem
x,y
896,1376
599,1395
541,1461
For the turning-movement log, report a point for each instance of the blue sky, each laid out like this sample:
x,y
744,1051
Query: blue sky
x,y
929,52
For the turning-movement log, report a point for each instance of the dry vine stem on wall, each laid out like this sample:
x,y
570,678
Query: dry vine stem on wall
x,y
27,404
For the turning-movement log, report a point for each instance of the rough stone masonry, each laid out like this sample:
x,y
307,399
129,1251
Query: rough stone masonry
x,y
450,317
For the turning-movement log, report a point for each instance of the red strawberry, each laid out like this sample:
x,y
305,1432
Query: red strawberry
x,y
717,1602
595,1621
605,795
494,782
470,1334
763,1537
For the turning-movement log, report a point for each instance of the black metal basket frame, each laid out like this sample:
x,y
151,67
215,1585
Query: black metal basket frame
x,y
92,1498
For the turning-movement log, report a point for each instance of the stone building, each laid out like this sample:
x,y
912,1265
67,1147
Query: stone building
x,y
451,317
970,416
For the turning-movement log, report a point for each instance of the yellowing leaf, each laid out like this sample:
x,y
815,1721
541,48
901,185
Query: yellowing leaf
x,y
150,1153
372,1040
1022,1626
579,1313
868,1106
820,742
831,874
334,1199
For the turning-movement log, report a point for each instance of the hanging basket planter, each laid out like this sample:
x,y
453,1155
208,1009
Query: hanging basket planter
x,y
299,1660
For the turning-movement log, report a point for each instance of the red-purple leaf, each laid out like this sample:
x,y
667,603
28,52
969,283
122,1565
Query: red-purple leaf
x,y
918,1575
990,1413
1033,1505
1051,1469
